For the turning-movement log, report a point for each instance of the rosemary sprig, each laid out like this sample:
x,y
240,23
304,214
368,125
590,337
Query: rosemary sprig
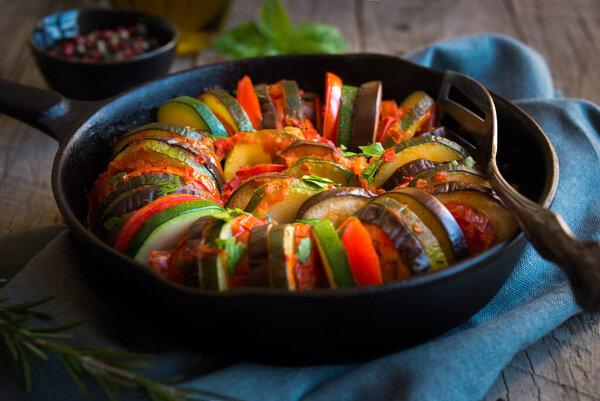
x,y
32,347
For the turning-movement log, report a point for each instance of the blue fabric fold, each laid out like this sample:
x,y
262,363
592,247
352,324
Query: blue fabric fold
x,y
459,365
464,363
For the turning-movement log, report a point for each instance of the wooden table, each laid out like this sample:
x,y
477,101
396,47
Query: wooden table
x,y
564,365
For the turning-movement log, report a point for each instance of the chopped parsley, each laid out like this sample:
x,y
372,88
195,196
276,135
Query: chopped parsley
x,y
115,178
369,172
320,182
375,149
169,186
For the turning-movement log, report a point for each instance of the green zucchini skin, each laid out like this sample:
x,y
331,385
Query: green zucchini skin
x,y
258,250
293,104
333,255
323,168
237,112
201,110
349,94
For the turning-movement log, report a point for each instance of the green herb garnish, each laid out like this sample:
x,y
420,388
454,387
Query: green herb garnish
x,y
113,222
235,251
273,33
373,150
269,218
469,162
169,186
304,249
369,172
114,178
320,182
306,221
347,153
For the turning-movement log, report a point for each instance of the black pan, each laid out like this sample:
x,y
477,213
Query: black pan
x,y
270,325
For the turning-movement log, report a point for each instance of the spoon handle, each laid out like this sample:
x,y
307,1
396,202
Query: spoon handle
x,y
554,241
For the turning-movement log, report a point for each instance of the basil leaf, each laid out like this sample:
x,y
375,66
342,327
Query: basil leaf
x,y
275,24
304,249
113,222
306,221
269,218
114,178
235,251
317,38
243,41
320,182
469,162
374,149
369,172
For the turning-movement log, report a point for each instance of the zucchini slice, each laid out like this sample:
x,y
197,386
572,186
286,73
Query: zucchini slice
x,y
282,246
435,216
241,196
260,147
299,149
189,258
164,229
215,274
323,168
335,205
407,172
349,94
293,104
433,148
429,242
333,256
419,103
280,199
190,112
239,116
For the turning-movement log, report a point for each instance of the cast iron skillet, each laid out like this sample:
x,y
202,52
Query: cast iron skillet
x,y
270,325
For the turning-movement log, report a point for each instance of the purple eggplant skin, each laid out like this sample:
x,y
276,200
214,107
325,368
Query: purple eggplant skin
x,y
308,107
334,192
451,186
240,197
410,249
267,108
440,131
258,252
189,262
366,115
447,230
407,171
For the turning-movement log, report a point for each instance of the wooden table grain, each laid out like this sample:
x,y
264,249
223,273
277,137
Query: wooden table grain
x,y
565,364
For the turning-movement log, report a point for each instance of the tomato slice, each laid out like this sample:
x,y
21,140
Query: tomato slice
x,y
363,259
246,97
333,98
137,219
475,225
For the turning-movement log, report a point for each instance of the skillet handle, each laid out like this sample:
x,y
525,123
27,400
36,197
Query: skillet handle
x,y
45,110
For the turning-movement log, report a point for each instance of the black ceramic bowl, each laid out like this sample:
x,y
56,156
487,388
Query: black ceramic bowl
x,y
268,324
91,80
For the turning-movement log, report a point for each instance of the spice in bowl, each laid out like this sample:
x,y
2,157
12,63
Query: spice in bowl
x,y
120,43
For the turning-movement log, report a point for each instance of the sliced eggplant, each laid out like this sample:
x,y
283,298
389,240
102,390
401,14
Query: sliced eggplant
x,y
333,256
433,148
189,112
260,147
423,234
346,117
281,257
323,168
241,196
482,199
366,115
159,130
411,254
435,216
258,249
300,149
267,108
189,257
280,199
164,229
407,172
335,205
308,107
453,171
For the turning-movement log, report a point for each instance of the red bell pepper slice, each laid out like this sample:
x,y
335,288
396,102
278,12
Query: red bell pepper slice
x,y
246,97
333,98
137,219
475,225
363,259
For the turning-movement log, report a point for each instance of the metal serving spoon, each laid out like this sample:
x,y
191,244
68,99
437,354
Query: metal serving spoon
x,y
547,231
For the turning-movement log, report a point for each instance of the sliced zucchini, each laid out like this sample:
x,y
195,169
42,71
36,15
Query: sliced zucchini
x,y
429,242
333,256
335,205
280,199
293,104
260,147
299,149
215,274
323,168
239,116
349,94
407,172
433,148
164,229
189,257
190,112
241,196
282,246
419,103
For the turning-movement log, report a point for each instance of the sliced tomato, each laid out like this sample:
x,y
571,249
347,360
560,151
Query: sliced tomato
x,y
475,225
363,259
333,97
246,97
137,219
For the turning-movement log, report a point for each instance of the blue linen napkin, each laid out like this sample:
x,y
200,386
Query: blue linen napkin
x,y
459,365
